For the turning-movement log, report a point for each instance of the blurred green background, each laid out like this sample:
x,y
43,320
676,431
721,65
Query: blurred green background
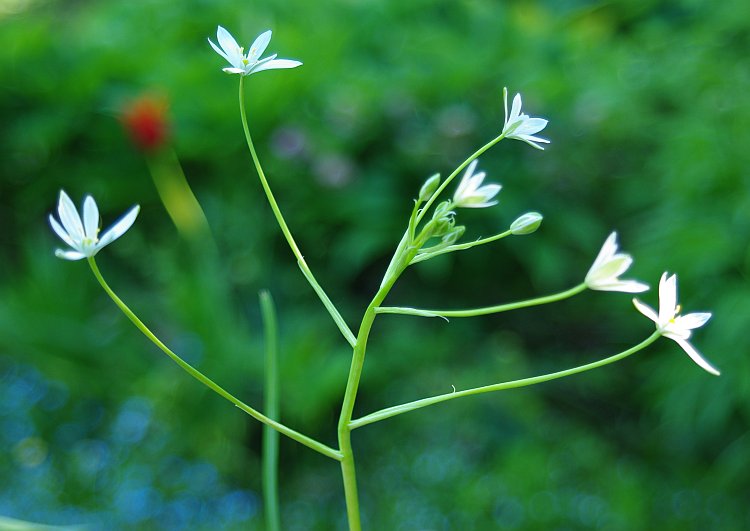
x,y
648,110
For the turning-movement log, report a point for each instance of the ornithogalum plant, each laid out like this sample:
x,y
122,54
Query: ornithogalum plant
x,y
431,230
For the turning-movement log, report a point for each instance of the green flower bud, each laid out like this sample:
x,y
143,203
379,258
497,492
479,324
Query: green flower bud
x,y
526,224
429,187
453,235
443,210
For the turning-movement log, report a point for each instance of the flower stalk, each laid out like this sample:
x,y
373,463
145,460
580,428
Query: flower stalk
x,y
205,380
418,404
337,318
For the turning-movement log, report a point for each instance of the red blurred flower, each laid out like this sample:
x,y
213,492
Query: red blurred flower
x,y
145,119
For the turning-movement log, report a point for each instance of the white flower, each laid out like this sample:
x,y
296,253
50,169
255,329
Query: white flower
x,y
674,326
470,193
248,64
521,126
608,266
83,235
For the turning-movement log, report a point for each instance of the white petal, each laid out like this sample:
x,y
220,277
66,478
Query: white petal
x,y
483,204
119,228
692,320
277,64
515,110
69,255
470,168
667,298
696,357
533,143
259,46
490,190
219,51
624,286
226,41
60,231
90,218
230,47
505,105
531,126
464,185
605,253
646,310
70,218
232,70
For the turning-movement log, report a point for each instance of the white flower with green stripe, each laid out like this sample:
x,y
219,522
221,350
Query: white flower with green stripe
x,y
521,126
82,234
250,63
669,322
605,272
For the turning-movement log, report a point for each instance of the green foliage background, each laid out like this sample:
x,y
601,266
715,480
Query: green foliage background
x,y
648,110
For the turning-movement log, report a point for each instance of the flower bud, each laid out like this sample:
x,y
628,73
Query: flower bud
x,y
442,227
443,210
526,224
453,235
429,187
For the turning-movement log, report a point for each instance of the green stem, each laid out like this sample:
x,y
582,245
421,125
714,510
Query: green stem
x,y
426,255
411,406
348,470
195,373
486,310
271,402
345,330
458,170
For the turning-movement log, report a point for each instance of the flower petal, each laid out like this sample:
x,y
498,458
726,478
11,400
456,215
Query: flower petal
x,y
219,51
692,320
259,46
532,143
90,218
119,228
624,286
60,231
646,310
531,126
612,268
505,105
226,41
70,218
277,63
229,45
515,110
667,298
69,255
696,357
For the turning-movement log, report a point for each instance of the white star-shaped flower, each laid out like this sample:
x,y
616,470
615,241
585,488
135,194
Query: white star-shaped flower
x,y
83,234
522,126
608,266
470,192
671,324
250,63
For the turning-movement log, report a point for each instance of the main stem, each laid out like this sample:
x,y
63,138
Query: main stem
x,y
348,470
